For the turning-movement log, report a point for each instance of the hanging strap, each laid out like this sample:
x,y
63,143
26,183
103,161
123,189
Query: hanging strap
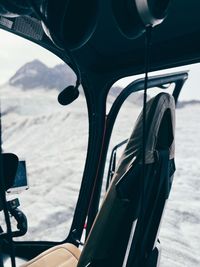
x,y
147,65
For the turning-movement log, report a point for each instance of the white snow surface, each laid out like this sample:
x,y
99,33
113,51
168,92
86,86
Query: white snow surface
x,y
53,141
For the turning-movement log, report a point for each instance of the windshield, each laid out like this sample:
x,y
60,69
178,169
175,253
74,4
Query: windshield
x,y
52,139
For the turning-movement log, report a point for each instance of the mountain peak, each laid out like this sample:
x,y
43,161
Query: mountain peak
x,y
36,74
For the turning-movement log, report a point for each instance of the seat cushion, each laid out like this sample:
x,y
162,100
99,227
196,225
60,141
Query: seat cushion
x,y
65,255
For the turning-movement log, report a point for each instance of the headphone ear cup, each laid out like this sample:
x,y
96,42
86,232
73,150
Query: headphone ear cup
x,y
70,22
133,16
127,18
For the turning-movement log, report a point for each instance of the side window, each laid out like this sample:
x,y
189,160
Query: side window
x,y
125,122
52,139
122,129
181,216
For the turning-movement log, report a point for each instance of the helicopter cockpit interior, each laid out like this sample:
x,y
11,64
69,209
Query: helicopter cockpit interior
x,y
103,42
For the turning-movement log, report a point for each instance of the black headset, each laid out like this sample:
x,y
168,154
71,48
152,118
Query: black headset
x,y
133,16
69,24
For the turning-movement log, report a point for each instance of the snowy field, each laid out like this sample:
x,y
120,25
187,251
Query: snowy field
x,y
53,141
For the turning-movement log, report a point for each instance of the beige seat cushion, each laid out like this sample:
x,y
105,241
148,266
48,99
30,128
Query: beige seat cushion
x,y
65,255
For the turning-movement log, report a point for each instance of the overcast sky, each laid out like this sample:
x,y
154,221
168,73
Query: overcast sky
x,y
16,51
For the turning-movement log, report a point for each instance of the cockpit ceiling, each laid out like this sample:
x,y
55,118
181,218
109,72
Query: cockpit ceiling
x,y
175,42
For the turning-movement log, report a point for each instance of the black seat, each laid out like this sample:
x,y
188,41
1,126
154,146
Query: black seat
x,y
120,215
126,227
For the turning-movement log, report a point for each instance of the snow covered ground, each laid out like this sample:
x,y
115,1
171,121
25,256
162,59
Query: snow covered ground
x,y
53,141
181,227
